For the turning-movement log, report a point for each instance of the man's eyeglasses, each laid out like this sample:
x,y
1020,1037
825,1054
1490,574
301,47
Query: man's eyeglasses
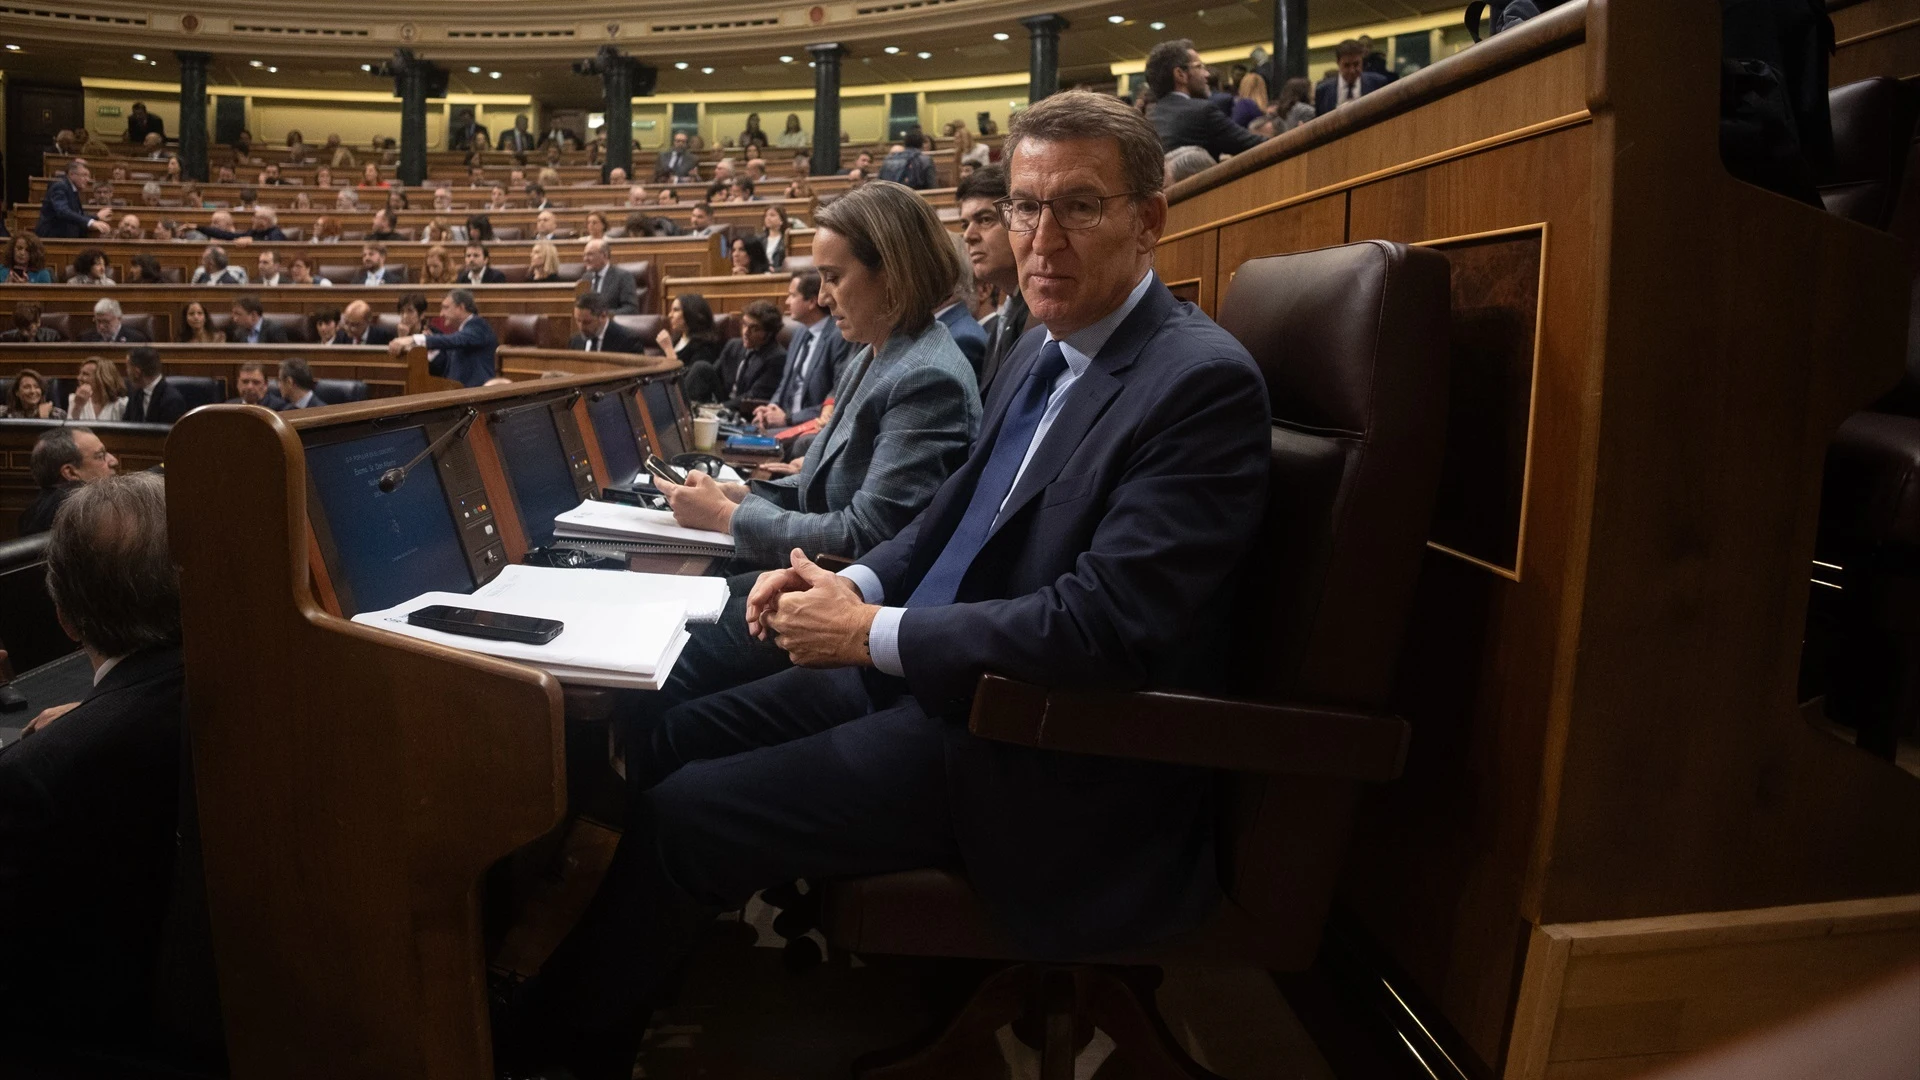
x,y
1069,211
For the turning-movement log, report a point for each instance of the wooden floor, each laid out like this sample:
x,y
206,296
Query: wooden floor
x,y
741,1015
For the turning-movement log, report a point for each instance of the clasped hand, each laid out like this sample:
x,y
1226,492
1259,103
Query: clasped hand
x,y
820,618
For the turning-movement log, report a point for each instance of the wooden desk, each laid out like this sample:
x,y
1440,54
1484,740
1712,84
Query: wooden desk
x,y
1602,664
729,292
347,828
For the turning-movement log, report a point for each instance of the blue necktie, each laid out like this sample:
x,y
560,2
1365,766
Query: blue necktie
x,y
942,582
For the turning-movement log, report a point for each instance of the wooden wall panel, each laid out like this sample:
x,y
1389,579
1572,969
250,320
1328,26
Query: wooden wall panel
x,y
1878,37
1303,226
1187,268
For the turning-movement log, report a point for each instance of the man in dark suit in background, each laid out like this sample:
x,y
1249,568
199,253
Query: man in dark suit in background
x,y
251,381
595,330
1092,540
678,163
108,324
63,460
750,365
249,325
374,269
478,268
518,140
149,399
297,385
358,327
89,797
1350,83
958,318
621,291
63,213
814,355
1182,115
990,255
465,352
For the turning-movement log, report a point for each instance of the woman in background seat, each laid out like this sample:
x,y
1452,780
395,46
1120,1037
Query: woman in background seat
x,y
196,327
543,262
101,395
689,335
28,400
28,264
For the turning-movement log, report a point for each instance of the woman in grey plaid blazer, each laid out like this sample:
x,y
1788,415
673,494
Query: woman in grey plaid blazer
x,y
906,407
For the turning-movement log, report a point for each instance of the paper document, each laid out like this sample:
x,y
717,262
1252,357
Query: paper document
x,y
615,521
630,645
704,597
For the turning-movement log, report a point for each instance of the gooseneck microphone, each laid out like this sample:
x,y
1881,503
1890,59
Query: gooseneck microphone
x,y
391,480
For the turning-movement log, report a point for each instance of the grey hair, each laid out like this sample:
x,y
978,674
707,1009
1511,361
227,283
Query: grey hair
x,y
151,187
1084,114
107,305
218,254
1187,161
108,567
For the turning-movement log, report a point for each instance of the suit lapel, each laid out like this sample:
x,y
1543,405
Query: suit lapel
x,y
836,439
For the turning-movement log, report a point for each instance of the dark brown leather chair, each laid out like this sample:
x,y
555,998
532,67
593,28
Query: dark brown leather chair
x,y
647,325
141,321
522,330
299,331
642,270
1353,343
1873,122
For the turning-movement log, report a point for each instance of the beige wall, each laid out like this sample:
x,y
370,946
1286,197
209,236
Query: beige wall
x,y
164,106
939,107
725,120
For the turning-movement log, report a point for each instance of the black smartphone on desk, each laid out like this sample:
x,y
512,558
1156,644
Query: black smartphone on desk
x,y
493,625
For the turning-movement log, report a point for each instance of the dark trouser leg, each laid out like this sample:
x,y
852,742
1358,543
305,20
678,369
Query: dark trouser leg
x,y
803,782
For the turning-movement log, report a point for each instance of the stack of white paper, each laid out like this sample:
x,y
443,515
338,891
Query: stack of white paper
x,y
620,645
637,528
704,597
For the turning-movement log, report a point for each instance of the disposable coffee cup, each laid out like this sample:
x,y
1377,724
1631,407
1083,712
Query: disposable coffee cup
x,y
706,431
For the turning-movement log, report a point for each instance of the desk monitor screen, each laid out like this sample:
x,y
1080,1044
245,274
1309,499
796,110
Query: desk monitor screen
x,y
658,394
389,547
537,471
619,442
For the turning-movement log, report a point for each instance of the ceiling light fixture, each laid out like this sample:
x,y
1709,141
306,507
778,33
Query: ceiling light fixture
x,y
255,63
891,49
493,74
139,56
366,67
1000,37
1116,19
924,55
682,65
1158,25
273,70
786,59
473,69
706,71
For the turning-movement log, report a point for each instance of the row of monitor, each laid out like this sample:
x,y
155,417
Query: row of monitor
x,y
436,530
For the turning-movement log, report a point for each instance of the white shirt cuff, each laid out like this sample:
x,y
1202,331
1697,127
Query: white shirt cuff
x,y
883,641
867,582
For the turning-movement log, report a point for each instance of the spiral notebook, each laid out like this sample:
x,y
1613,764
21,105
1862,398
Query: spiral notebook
x,y
635,528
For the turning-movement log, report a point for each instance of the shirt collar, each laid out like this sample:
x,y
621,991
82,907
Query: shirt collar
x,y
106,665
1081,346
1178,93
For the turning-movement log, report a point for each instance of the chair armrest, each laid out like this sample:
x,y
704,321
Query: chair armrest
x,y
1187,729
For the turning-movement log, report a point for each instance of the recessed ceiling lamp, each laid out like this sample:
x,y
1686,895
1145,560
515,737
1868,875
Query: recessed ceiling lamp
x,y
255,63
11,47
1116,18
706,71
493,74
473,69
682,65
786,59
1000,37
366,67
925,55
272,70
1158,25
891,49
139,56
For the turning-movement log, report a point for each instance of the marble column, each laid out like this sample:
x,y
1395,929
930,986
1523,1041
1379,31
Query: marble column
x,y
193,114
826,107
1043,65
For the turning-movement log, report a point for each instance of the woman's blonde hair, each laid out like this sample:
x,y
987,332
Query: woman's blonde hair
x,y
548,177
447,271
548,256
894,232
106,375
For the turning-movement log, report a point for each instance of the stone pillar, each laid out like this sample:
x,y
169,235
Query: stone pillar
x,y
193,114
616,87
414,80
1043,65
826,107
1289,43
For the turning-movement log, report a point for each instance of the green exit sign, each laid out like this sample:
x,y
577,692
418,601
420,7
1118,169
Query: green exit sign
x,y
109,110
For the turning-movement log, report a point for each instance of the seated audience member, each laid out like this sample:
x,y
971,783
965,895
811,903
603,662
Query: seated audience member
x,y
689,335
323,324
1186,161
271,274
857,761
129,228
477,269
195,327
370,177
107,325
101,395
322,176
957,315
88,827
251,381
437,268
249,325
358,327
595,330
27,262
815,356
617,177
214,270
740,189
1182,113
144,269
27,325
412,310
336,155
465,351
792,137
374,269
618,286
776,225
173,174
749,255
637,195
640,225
1292,108
224,175
302,201
382,230
265,226
63,461
467,133
1349,82
296,385
90,268
443,200
677,163
537,197
150,400
480,229
862,161
270,176
326,230
167,229
543,261
143,127
595,225
667,197
723,171
546,226
151,193
752,135
248,197
300,272
990,257
497,198
702,221
347,201
749,366
27,399
516,139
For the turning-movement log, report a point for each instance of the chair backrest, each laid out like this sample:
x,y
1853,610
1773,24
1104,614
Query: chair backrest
x,y
726,324
339,391
142,322
63,322
29,629
513,273
522,330
1873,122
1354,344
339,272
570,271
295,324
199,390
647,326
642,270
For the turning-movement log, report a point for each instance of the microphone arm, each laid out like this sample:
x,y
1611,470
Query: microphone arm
x,y
391,480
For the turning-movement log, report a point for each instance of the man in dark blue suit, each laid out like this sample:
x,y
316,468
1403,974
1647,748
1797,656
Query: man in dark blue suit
x,y
63,213
1349,84
465,352
966,330
1092,540
814,355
